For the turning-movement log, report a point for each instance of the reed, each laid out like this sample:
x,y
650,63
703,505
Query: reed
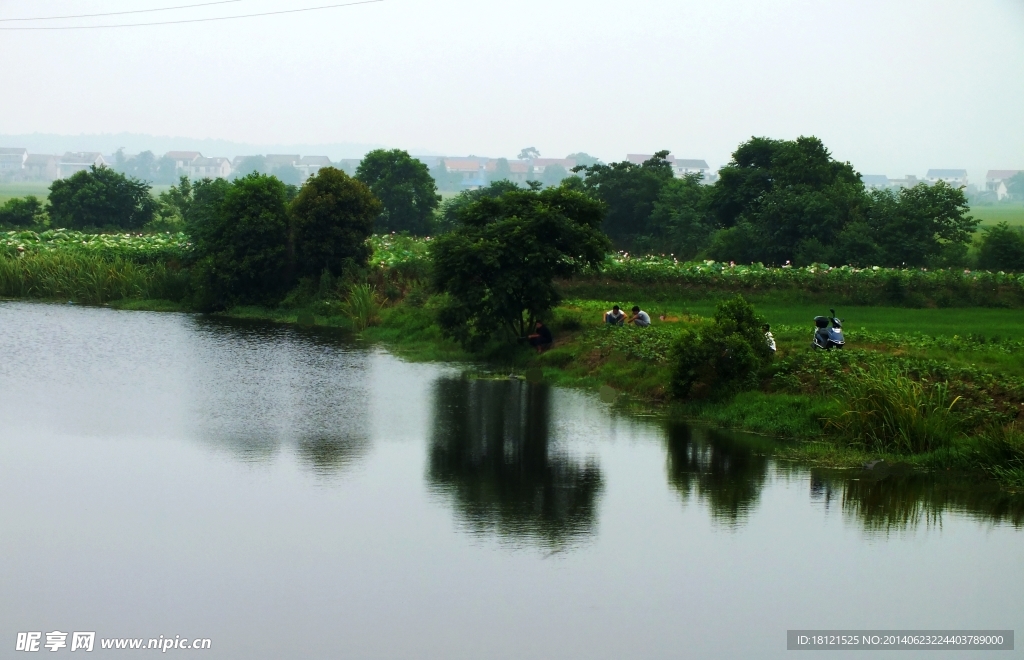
x,y
885,410
87,278
362,305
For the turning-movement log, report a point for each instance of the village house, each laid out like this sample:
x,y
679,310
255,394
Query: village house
x,y
875,181
909,181
78,161
996,182
183,160
310,165
209,168
41,167
275,161
680,166
12,161
955,178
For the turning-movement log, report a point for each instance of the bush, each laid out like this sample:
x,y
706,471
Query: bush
x,y
723,356
26,213
101,197
1002,248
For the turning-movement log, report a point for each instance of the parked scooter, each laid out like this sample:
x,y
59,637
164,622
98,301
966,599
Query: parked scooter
x,y
827,338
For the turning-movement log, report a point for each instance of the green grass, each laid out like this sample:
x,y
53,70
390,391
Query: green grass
x,y
1012,214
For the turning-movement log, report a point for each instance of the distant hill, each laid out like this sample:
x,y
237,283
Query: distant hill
x,y
107,143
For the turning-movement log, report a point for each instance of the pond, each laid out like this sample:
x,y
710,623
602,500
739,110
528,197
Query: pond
x,y
287,493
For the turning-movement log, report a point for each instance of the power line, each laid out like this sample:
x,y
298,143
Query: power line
x,y
118,13
196,20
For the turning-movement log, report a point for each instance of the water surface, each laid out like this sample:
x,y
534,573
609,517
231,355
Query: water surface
x,y
290,494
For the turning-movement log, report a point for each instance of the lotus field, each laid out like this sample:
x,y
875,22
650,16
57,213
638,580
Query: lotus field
x,y
140,248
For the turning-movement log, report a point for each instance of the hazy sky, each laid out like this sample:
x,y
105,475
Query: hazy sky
x,y
894,86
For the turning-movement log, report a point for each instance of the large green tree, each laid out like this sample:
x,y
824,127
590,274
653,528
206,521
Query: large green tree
x,y
332,217
921,226
783,200
100,197
498,266
404,187
241,242
630,192
680,224
1002,248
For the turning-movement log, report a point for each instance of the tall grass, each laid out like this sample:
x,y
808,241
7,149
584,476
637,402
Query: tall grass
x,y
885,410
362,305
87,278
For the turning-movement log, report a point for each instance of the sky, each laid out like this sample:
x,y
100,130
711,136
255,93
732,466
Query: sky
x,y
893,87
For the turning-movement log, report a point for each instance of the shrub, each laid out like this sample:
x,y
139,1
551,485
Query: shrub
x,y
721,357
22,213
362,306
1002,248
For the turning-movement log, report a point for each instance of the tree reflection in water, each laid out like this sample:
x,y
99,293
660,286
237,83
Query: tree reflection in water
x,y
724,472
490,453
894,498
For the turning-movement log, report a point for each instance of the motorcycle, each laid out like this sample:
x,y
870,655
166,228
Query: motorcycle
x,y
825,337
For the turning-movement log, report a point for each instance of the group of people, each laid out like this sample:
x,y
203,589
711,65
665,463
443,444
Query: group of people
x,y
616,316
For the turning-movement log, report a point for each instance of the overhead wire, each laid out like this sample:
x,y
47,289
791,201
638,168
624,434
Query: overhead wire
x,y
194,20
119,13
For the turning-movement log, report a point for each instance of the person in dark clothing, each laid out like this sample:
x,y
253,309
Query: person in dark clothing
x,y
541,339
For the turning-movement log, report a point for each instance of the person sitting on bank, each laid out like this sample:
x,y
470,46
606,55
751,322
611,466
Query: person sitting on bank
x,y
541,339
615,317
640,318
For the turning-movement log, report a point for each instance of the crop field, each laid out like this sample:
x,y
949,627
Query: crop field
x,y
36,189
133,247
1012,214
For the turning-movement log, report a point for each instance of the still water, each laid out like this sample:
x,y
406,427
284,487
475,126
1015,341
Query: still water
x,y
288,494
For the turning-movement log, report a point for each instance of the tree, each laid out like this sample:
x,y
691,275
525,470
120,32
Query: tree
x,y
679,223
449,217
404,187
788,195
502,170
583,159
1002,248
242,242
332,218
553,175
22,213
498,267
196,203
288,174
529,153
921,226
1015,186
248,165
101,197
630,191
445,180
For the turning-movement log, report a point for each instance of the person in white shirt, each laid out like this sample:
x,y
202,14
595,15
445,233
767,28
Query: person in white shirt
x,y
769,337
615,316
640,318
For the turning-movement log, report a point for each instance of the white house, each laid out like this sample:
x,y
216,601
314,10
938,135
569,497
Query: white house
x,y
875,181
77,161
955,178
12,160
42,167
209,168
996,180
909,181
680,166
183,160
310,165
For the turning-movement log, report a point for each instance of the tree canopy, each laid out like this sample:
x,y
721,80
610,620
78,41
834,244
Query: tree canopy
x,y
101,197
404,187
332,217
498,265
22,213
630,192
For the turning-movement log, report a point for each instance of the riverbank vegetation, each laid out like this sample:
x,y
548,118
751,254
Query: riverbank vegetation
x,y
947,395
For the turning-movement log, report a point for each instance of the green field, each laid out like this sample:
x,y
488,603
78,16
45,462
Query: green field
x,y
10,190
1012,214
